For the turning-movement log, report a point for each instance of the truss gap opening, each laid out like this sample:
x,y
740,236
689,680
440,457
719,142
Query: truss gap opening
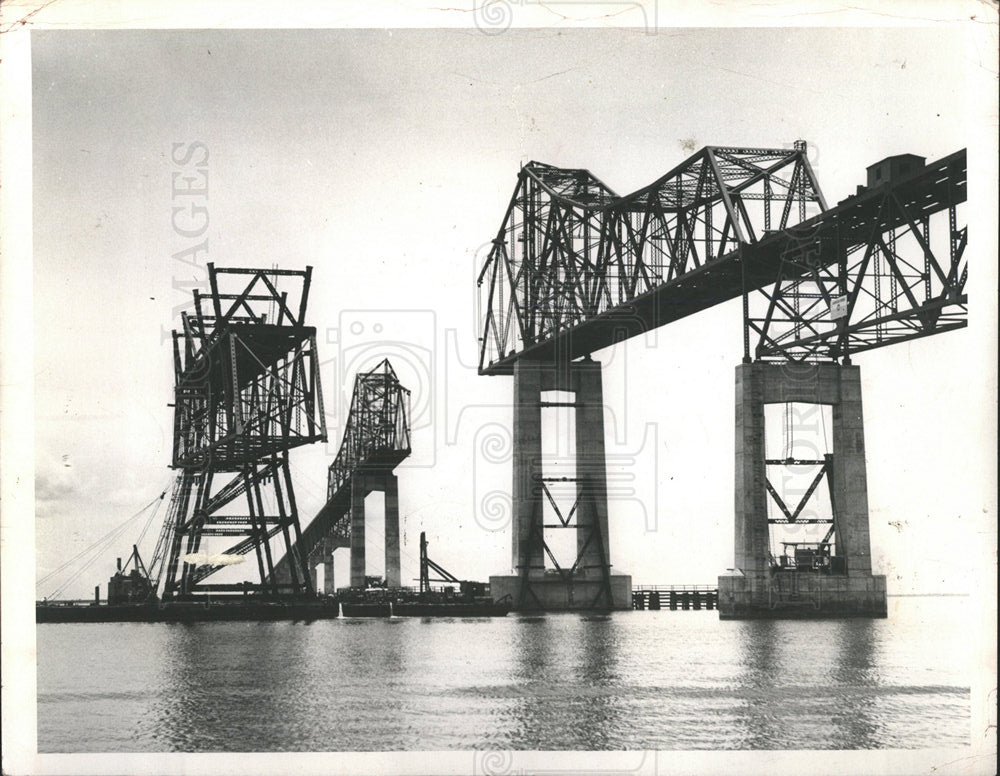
x,y
559,475
798,438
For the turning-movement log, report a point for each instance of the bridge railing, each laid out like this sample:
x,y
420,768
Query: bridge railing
x,y
675,588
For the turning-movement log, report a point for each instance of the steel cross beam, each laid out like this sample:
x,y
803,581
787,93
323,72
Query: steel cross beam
x,y
575,268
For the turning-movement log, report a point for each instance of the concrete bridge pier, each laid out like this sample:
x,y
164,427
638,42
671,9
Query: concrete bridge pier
x,y
363,483
592,585
328,584
756,587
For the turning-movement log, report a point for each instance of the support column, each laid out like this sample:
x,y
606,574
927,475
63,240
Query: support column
x,y
358,493
328,583
314,576
850,476
527,459
752,533
391,490
591,585
757,590
591,468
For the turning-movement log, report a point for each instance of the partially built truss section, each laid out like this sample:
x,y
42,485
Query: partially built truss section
x,y
376,440
247,391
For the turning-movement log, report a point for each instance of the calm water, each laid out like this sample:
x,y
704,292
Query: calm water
x,y
632,680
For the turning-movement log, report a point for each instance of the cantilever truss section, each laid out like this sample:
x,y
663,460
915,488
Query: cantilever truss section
x,y
247,391
377,433
574,267
883,267
376,440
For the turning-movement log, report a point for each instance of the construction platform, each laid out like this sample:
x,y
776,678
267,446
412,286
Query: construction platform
x,y
187,611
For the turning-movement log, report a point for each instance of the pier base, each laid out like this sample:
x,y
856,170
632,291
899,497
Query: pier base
x,y
801,594
759,586
554,593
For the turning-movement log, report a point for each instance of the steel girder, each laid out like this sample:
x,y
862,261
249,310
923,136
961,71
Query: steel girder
x,y
574,267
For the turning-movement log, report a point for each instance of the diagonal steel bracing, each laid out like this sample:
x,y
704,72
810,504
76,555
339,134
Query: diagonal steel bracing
x,y
886,266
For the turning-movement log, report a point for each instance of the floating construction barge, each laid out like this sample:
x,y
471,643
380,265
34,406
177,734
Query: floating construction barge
x,y
188,611
472,599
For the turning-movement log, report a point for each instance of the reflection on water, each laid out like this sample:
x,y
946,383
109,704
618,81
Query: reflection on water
x,y
757,682
816,681
633,680
599,722
855,669
564,669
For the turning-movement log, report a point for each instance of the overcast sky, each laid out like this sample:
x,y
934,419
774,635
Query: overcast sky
x,y
385,159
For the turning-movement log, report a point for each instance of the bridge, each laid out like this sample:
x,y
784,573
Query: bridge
x,y
575,268
376,440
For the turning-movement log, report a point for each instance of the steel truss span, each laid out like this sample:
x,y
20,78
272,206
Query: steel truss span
x,y
376,440
575,268
247,391
885,266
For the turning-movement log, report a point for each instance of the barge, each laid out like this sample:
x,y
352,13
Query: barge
x,y
406,602
472,599
187,611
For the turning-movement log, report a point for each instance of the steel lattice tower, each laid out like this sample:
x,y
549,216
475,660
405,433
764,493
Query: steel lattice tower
x,y
247,391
